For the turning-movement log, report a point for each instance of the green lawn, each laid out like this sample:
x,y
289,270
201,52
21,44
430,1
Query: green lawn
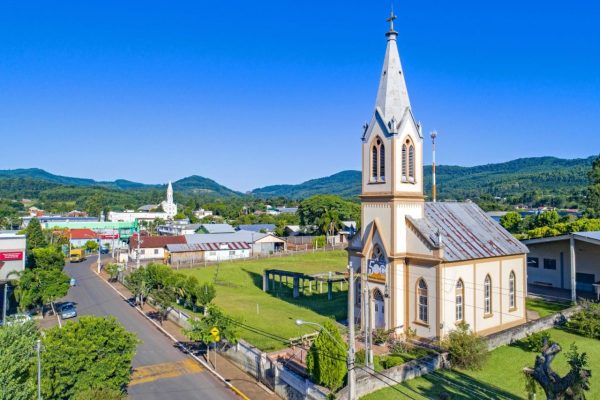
x,y
239,293
546,307
501,378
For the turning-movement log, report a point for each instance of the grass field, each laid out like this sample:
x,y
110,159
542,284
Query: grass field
x,y
501,378
546,307
239,293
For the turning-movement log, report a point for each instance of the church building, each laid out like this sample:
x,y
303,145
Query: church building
x,y
425,265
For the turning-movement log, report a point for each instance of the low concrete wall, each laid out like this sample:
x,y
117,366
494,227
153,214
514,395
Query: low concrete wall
x,y
285,383
519,332
366,383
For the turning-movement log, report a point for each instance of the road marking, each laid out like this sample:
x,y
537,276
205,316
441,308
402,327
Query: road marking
x,y
150,373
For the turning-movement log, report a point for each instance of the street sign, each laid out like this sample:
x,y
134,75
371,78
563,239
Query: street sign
x,y
215,334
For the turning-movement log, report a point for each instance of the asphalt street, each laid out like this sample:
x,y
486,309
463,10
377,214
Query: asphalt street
x,y
162,370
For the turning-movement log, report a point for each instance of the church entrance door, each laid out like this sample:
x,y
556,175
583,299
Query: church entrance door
x,y
379,309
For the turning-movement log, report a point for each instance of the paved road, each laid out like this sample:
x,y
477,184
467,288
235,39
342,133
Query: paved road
x,y
162,371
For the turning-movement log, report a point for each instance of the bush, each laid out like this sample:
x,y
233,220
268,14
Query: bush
x,y
391,361
326,360
587,321
467,350
537,341
381,336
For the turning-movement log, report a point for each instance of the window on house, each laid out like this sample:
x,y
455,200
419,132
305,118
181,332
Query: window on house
x,y
512,300
487,295
232,252
422,301
142,251
460,296
533,262
549,263
155,251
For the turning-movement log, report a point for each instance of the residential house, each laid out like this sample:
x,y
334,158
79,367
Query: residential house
x,y
216,228
262,228
152,247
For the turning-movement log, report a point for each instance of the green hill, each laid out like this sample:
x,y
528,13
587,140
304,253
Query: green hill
x,y
522,180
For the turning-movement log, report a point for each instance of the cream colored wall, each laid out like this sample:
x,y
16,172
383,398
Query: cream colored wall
x,y
409,129
398,296
482,269
378,210
413,242
429,274
509,315
450,277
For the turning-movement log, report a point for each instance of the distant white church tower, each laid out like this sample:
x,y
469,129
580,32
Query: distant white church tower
x,y
169,205
425,265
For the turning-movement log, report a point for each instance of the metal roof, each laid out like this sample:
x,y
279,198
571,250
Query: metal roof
x,y
595,235
237,236
257,227
182,248
466,231
217,228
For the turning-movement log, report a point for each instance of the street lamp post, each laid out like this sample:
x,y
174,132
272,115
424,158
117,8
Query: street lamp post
x,y
99,260
38,348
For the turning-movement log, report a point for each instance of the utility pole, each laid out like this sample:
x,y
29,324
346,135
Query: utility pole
x,y
351,378
99,260
433,183
4,303
139,239
367,325
38,348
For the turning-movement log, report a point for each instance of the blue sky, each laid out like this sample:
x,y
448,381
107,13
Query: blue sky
x,y
266,92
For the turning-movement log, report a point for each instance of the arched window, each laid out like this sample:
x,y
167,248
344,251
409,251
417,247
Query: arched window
x,y
382,162
378,161
404,167
512,294
487,295
422,314
460,300
411,163
374,163
378,253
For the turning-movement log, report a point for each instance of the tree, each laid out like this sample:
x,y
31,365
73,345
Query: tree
x,y
100,393
35,236
48,258
215,317
326,211
38,287
511,221
91,245
467,349
592,200
17,360
326,359
85,354
164,298
571,386
137,282
112,270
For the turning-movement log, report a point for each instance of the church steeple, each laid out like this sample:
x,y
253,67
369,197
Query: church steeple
x,y
392,96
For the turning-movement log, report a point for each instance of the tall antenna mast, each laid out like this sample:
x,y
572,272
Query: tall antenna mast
x,y
433,183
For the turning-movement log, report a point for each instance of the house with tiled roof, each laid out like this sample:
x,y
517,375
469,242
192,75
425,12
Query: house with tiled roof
x,y
79,237
151,247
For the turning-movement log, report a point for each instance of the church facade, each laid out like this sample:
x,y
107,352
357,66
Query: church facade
x,y
425,265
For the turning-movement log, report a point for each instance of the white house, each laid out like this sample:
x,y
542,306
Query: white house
x,y
570,262
152,247
425,265
12,254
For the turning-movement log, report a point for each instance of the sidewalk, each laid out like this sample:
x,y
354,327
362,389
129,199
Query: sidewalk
x,y
244,382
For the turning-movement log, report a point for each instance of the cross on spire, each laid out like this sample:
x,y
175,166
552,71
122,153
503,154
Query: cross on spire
x,y
391,19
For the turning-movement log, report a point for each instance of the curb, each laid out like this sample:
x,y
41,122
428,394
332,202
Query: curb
x,y
235,390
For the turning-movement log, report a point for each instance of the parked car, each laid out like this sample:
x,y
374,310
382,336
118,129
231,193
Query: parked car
x,y
67,311
104,250
16,319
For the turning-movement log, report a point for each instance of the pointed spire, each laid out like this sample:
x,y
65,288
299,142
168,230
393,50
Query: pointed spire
x,y
392,96
169,193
